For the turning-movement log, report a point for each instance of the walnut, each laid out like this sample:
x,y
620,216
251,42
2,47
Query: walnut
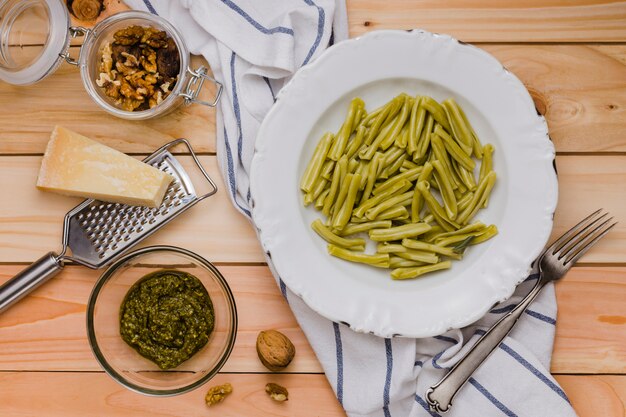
x,y
124,69
168,60
106,64
128,91
275,350
154,38
130,104
85,9
129,36
217,394
131,60
117,50
277,392
151,78
131,65
149,60
111,87
155,99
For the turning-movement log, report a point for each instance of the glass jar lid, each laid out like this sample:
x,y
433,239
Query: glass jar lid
x,y
33,36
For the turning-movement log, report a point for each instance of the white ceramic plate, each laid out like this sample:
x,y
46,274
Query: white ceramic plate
x,y
376,67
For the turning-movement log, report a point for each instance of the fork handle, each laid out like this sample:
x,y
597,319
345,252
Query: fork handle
x,y
440,395
30,278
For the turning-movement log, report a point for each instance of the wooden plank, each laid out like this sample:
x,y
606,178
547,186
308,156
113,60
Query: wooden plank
x,y
46,331
608,390
212,228
587,183
30,220
496,21
38,105
584,111
477,21
27,394
591,323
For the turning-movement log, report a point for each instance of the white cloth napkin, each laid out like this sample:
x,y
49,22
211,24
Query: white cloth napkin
x,y
253,47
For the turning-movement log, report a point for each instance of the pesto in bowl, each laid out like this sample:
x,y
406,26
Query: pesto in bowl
x,y
167,316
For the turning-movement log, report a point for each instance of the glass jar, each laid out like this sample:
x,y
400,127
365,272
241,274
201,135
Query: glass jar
x,y
35,37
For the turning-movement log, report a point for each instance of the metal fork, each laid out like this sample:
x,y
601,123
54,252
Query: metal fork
x,y
554,263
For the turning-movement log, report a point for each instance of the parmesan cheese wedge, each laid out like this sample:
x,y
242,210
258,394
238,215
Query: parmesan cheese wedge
x,y
77,166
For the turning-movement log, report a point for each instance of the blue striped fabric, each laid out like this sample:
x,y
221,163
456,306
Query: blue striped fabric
x,y
389,354
320,30
257,25
150,7
534,370
269,85
541,317
232,185
446,339
424,405
339,349
236,109
283,288
491,398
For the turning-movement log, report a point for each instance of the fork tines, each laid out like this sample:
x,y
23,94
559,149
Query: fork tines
x,y
576,241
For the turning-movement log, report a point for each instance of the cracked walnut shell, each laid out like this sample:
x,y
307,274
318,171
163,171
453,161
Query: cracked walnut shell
x,y
275,350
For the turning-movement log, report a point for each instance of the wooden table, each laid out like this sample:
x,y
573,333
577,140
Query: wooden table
x,y
570,54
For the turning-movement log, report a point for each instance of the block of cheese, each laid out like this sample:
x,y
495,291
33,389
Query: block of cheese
x,y
77,166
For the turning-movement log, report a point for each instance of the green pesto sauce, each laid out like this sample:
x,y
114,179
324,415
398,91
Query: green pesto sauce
x,y
167,316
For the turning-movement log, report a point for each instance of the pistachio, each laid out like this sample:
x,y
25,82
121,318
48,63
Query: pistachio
x,y
217,394
275,350
277,392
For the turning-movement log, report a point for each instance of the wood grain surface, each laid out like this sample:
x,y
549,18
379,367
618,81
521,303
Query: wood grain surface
x,y
471,20
78,394
31,220
47,331
496,21
570,54
579,88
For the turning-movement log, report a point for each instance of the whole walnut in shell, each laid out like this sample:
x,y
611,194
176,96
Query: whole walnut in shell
x,y
275,350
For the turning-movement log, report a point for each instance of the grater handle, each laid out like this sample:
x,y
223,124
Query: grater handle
x,y
30,278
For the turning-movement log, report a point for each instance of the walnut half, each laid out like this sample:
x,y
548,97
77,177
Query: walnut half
x,y
217,394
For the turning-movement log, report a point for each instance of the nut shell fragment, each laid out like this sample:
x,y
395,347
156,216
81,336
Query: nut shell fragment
x,y
275,350
277,392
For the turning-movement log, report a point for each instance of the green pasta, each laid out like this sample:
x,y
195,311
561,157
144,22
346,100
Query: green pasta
x,y
315,165
380,260
352,228
403,176
406,273
330,237
399,232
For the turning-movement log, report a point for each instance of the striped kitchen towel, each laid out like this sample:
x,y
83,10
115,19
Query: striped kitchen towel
x,y
253,48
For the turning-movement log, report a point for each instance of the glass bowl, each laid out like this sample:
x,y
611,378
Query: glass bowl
x,y
126,365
